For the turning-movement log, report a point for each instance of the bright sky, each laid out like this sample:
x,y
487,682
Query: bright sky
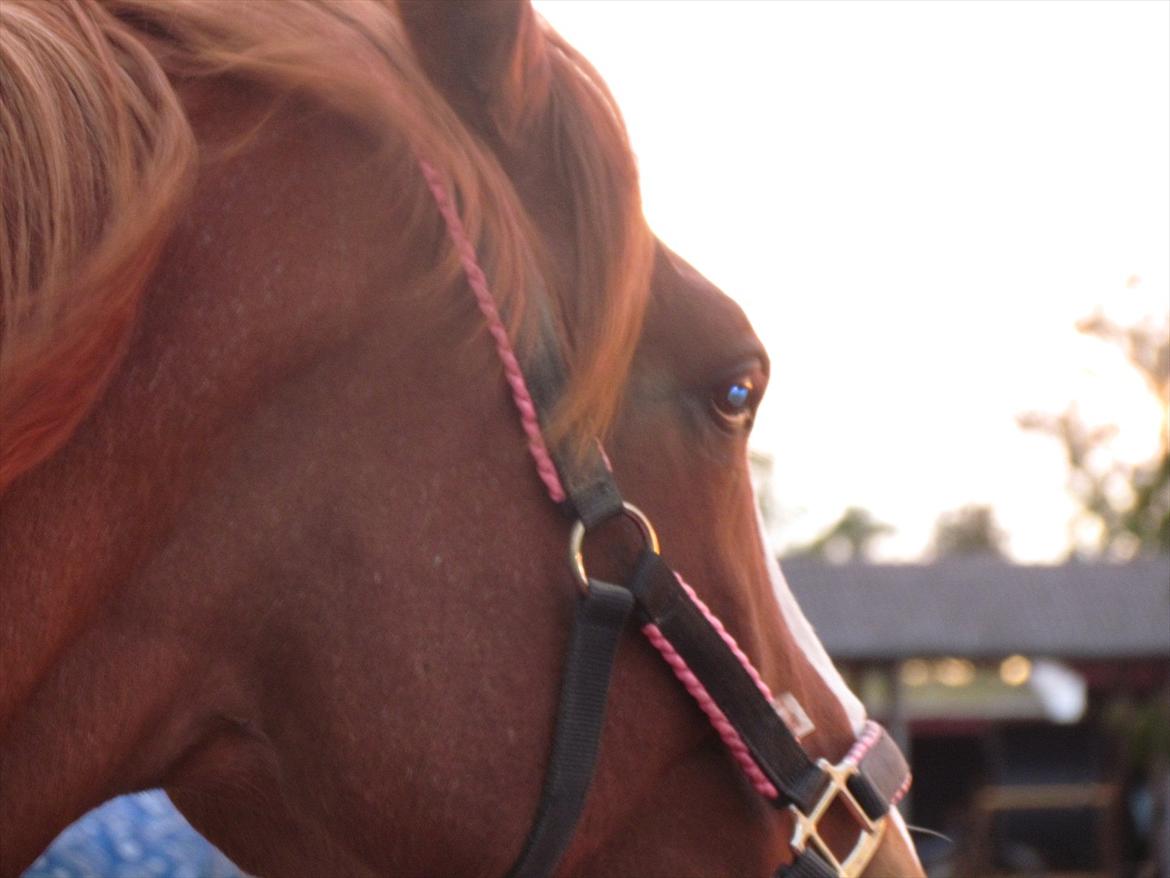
x,y
914,202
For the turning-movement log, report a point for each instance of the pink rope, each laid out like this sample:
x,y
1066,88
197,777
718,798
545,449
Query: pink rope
x,y
728,639
487,306
902,791
727,732
869,736
718,718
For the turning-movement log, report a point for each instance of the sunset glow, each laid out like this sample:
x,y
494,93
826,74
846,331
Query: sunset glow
x,y
915,203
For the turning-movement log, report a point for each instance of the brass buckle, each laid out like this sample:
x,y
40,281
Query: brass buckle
x,y
807,826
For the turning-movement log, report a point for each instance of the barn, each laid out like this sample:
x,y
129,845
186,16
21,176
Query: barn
x,y
1034,702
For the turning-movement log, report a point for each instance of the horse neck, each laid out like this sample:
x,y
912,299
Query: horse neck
x,y
97,590
75,532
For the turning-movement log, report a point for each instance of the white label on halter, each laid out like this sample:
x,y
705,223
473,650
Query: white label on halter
x,y
793,715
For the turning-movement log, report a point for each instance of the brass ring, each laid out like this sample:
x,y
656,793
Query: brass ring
x,y
577,538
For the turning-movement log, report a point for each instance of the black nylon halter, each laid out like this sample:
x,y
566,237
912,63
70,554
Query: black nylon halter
x,y
868,780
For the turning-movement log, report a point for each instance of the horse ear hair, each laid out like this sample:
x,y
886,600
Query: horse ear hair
x,y
479,53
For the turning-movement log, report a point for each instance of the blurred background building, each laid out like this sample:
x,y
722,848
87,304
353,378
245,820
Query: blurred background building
x,y
1033,701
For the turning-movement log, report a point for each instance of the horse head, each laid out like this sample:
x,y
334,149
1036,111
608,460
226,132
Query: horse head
x,y
273,536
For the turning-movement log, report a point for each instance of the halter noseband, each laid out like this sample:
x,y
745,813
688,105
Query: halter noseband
x,y
869,781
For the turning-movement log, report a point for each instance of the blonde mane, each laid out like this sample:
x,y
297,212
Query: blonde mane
x,y
99,160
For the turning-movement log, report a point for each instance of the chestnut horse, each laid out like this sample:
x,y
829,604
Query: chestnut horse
x,y
270,536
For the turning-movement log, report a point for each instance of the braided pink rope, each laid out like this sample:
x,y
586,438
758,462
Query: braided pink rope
x,y
869,737
718,718
487,306
728,639
902,791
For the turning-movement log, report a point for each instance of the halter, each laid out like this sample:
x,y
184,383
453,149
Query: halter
x,y
871,779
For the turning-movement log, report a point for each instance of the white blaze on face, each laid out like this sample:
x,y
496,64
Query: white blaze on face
x,y
805,637
814,651
900,823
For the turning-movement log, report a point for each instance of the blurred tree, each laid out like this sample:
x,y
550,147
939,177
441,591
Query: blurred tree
x,y
1127,504
850,538
1147,346
969,531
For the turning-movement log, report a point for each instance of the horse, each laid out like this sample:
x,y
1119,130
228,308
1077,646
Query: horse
x,y
272,537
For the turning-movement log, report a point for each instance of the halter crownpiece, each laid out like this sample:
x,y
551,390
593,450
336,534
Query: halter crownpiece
x,y
872,778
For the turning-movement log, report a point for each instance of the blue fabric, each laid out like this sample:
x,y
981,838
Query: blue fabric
x,y
139,836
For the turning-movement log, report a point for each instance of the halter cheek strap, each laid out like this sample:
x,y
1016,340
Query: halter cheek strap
x,y
871,778
598,623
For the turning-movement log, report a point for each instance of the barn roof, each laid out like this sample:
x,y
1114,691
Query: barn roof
x,y
987,608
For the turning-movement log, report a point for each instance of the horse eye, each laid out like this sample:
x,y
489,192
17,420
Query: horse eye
x,y
734,401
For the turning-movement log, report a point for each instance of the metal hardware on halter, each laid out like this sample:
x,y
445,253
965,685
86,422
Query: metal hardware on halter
x,y
577,538
806,828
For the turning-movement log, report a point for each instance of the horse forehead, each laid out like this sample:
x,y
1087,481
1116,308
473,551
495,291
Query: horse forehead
x,y
691,315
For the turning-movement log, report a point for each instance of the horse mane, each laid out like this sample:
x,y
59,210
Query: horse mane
x,y
97,157
100,159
